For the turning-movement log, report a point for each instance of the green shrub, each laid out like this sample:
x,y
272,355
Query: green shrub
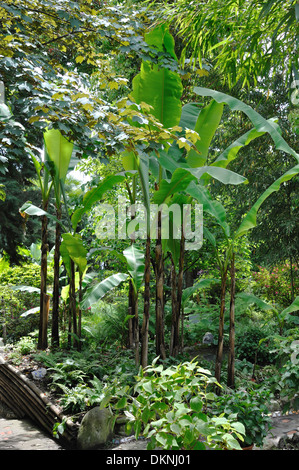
x,y
169,407
248,345
106,322
251,409
286,382
12,305
26,275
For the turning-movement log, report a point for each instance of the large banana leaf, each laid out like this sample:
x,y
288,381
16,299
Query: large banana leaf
x,y
294,307
189,115
249,220
31,209
72,248
261,124
102,288
182,177
58,152
249,299
135,261
230,153
161,39
201,284
93,196
180,180
160,88
206,126
214,208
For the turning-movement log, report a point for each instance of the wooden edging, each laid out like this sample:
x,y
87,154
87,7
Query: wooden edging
x,y
24,398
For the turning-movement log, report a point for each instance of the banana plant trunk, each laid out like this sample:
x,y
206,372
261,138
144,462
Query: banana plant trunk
x,y
80,314
231,353
55,305
159,271
219,353
132,317
72,303
146,308
44,298
136,329
177,290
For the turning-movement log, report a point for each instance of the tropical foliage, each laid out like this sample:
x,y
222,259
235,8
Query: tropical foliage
x,y
116,120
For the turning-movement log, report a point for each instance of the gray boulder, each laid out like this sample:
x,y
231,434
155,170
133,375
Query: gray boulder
x,y
95,429
208,338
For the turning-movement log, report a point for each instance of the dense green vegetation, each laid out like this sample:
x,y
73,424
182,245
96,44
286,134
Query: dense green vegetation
x,y
160,104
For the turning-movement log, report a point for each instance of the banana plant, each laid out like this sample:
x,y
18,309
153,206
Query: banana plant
x,y
58,157
133,257
160,88
282,316
190,172
45,185
74,254
228,259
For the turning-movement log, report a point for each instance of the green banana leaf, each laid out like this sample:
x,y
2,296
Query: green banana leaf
x,y
31,209
59,151
201,284
180,180
182,177
160,88
135,261
102,288
230,153
161,39
189,115
249,299
206,126
72,248
290,309
214,208
249,220
261,124
93,196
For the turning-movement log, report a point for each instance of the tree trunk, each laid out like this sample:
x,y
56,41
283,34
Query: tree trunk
x,y
146,310
55,305
159,271
219,354
231,354
44,301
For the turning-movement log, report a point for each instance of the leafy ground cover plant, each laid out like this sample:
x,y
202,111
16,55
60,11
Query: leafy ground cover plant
x,y
251,410
169,407
285,382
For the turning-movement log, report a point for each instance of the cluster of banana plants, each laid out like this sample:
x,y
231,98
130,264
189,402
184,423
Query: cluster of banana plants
x,y
182,175
181,172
